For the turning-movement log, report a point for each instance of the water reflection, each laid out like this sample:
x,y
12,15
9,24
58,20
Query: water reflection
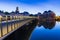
x,y
41,31
25,31
47,24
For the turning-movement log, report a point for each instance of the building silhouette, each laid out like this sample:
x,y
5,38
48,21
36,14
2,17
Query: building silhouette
x,y
17,10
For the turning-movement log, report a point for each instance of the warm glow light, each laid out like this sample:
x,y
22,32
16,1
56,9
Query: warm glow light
x,y
0,16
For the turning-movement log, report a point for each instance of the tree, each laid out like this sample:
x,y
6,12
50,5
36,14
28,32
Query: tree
x,y
39,13
31,15
26,13
6,13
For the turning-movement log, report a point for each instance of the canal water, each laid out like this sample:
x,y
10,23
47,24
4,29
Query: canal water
x,y
46,31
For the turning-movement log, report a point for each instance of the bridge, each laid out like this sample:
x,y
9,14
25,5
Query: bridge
x,y
9,24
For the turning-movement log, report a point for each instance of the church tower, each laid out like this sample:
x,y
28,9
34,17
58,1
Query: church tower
x,y
17,10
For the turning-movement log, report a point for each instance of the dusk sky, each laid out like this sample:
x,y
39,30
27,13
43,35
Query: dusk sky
x,y
31,6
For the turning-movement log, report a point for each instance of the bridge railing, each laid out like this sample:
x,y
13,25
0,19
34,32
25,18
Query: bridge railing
x,y
10,23
6,25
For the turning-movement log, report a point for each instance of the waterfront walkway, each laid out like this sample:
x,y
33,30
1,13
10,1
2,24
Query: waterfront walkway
x,y
7,27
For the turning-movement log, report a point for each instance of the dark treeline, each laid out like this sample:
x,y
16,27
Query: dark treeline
x,y
45,13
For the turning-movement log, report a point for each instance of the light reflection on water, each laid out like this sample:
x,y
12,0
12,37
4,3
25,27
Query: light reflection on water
x,y
44,32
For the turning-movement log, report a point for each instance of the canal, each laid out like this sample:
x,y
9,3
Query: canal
x,y
46,31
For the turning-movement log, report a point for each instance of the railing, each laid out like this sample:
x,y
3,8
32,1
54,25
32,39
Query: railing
x,y
8,24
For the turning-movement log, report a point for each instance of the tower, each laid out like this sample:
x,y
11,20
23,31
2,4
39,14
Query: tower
x,y
17,10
